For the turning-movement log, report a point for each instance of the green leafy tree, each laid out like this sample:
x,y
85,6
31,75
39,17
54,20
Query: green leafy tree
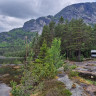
x,y
47,69
54,53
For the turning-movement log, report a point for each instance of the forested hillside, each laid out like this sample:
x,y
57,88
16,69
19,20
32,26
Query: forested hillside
x,y
14,39
13,43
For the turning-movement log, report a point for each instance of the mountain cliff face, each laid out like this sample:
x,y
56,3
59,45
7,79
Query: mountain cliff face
x,y
37,25
86,11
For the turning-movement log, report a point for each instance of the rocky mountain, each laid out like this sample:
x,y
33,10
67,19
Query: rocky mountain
x,y
37,25
86,11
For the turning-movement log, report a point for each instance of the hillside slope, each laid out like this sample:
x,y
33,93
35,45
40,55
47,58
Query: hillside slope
x,y
86,11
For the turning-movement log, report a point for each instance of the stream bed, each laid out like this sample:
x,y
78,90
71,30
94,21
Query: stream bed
x,y
7,74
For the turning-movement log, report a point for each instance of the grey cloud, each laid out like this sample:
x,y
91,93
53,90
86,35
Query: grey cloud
x,y
33,8
13,13
24,9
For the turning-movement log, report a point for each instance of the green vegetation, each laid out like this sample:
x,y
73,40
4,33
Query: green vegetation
x,y
15,90
91,82
73,67
68,67
41,69
54,88
11,60
73,74
13,43
46,53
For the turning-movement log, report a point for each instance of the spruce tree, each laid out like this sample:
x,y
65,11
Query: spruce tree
x,y
61,20
45,35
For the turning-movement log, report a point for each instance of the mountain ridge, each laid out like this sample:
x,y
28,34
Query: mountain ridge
x,y
85,11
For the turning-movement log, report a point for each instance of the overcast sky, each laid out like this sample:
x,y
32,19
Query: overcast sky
x,y
13,13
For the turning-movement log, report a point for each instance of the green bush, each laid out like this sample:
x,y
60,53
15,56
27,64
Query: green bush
x,y
66,67
54,88
66,92
18,90
15,90
73,67
73,74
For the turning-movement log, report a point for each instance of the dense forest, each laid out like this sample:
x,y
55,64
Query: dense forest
x,y
13,43
72,40
77,38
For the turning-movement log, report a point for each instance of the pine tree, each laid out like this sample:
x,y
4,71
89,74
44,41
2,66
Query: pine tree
x,y
45,35
52,32
61,20
43,52
79,36
46,69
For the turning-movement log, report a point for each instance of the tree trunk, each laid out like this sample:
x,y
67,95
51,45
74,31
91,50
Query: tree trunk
x,y
67,54
79,54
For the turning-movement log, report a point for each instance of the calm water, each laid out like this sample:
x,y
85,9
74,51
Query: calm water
x,y
10,60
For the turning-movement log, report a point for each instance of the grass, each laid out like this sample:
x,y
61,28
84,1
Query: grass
x,y
83,80
91,82
73,67
73,74
54,88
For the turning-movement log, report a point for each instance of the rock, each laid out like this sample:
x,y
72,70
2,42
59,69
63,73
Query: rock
x,y
66,81
86,11
91,88
74,86
16,67
4,90
5,75
61,69
37,25
76,91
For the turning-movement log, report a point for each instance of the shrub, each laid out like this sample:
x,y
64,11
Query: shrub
x,y
15,90
73,67
54,88
66,67
73,74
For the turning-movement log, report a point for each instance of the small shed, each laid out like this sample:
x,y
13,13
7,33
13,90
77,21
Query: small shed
x,y
93,53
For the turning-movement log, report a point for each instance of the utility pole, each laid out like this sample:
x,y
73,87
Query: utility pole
x,y
26,45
